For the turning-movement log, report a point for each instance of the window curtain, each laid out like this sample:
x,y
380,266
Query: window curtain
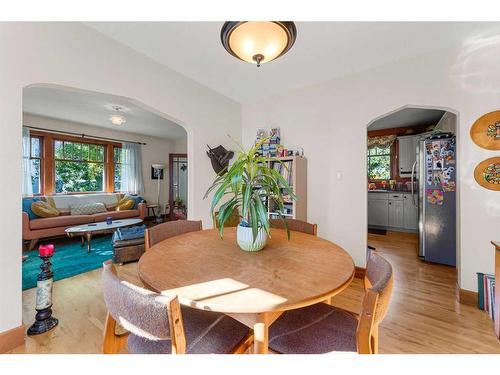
x,y
132,169
381,142
27,183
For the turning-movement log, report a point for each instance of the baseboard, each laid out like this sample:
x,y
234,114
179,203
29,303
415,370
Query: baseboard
x,y
11,339
467,297
359,272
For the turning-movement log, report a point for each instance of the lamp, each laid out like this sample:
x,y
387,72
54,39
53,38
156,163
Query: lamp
x,y
117,118
258,42
158,168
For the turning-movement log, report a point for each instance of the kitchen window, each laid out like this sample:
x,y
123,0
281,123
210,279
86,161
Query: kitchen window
x,y
379,163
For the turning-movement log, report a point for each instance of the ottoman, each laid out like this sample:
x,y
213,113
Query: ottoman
x,y
127,250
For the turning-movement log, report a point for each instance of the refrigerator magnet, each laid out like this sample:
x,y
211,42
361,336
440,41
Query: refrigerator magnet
x,y
435,196
438,164
448,186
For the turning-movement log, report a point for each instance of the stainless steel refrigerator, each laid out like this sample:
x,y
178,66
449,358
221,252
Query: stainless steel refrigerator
x,y
435,172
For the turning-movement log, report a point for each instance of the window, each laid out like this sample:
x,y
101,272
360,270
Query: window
x,y
79,167
118,160
36,163
379,163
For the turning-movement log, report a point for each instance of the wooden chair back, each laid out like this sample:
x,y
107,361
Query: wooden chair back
x,y
233,220
139,311
295,225
169,229
378,283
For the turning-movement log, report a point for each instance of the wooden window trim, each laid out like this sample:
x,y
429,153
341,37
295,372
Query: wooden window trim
x,y
47,164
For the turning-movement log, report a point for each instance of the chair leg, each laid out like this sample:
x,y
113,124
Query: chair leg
x,y
374,340
112,343
32,244
244,345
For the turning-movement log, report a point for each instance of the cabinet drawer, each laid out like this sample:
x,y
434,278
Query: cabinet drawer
x,y
396,197
378,196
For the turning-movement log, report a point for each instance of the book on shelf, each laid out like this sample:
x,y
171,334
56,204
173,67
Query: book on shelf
x,y
486,293
284,168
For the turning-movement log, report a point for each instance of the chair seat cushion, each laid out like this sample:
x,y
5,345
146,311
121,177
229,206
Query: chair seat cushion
x,y
60,221
206,332
315,329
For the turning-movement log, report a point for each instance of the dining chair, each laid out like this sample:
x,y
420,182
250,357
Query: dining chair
x,y
169,229
232,221
322,328
158,324
295,225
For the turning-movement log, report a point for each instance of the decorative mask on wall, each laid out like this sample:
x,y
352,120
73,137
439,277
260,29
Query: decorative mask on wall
x,y
219,157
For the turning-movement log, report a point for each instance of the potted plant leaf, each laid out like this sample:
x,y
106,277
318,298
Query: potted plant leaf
x,y
246,186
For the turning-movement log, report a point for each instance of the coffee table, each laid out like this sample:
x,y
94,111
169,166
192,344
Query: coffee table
x,y
86,231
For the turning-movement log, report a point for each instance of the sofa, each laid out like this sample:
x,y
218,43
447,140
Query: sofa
x,y
36,229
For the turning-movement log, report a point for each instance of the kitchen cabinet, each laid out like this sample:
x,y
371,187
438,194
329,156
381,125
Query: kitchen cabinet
x,y
378,210
410,212
407,154
394,211
396,214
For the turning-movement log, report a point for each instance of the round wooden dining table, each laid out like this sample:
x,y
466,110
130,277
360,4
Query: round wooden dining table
x,y
255,288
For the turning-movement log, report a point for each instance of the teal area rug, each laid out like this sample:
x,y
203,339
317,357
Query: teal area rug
x,y
69,259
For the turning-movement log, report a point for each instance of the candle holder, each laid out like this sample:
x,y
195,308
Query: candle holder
x,y
44,321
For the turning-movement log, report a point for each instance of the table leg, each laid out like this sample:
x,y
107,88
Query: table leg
x,y
88,235
83,240
261,338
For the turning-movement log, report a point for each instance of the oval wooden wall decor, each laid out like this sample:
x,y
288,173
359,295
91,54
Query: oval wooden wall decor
x,y
485,132
487,173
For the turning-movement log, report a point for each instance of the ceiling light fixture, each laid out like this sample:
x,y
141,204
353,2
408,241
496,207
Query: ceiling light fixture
x,y
258,42
117,118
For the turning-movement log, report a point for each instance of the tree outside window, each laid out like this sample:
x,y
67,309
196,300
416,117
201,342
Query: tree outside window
x,y
79,167
379,163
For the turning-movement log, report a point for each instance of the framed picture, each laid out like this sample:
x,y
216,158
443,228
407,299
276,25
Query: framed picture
x,y
155,173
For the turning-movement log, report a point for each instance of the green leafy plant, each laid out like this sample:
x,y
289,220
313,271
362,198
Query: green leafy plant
x,y
248,182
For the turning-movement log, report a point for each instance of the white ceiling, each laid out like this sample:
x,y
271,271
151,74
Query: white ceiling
x,y
408,117
323,50
92,108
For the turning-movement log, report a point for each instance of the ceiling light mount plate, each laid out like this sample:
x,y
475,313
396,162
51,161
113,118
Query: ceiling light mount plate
x,y
258,42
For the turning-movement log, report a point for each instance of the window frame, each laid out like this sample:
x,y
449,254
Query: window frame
x,y
49,161
41,160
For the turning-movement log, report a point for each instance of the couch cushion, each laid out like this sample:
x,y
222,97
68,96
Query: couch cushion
x,y
60,221
27,207
88,209
44,209
116,215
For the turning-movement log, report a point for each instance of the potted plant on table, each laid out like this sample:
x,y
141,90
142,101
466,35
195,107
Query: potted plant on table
x,y
245,186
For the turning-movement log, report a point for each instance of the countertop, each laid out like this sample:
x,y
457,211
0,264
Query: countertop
x,y
391,191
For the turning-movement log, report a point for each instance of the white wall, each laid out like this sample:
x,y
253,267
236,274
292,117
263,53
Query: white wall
x,y
155,150
329,120
75,56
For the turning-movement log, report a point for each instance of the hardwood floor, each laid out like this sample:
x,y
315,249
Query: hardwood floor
x,y
424,316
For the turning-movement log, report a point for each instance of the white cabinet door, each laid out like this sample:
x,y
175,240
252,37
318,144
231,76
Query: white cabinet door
x,y
410,212
396,215
407,154
378,212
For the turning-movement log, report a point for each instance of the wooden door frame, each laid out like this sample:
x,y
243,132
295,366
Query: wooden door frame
x,y
170,181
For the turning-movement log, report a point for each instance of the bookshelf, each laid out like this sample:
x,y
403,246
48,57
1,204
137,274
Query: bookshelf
x,y
297,178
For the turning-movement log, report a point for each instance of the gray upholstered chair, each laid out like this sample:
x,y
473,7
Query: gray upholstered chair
x,y
157,324
295,225
322,328
169,229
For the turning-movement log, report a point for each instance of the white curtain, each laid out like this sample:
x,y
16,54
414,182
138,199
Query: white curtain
x,y
132,169
27,183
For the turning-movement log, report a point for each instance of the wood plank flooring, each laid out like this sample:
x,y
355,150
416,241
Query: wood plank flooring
x,y
424,316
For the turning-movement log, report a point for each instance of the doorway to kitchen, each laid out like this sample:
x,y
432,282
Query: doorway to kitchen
x,y
412,171
178,170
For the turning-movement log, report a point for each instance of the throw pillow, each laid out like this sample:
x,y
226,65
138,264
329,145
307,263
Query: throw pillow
x,y
137,199
44,209
27,207
125,204
88,209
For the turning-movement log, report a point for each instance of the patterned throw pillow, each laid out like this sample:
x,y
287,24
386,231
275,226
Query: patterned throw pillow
x,y
88,209
125,204
44,209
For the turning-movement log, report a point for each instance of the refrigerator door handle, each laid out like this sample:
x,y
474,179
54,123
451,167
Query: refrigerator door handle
x,y
412,183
